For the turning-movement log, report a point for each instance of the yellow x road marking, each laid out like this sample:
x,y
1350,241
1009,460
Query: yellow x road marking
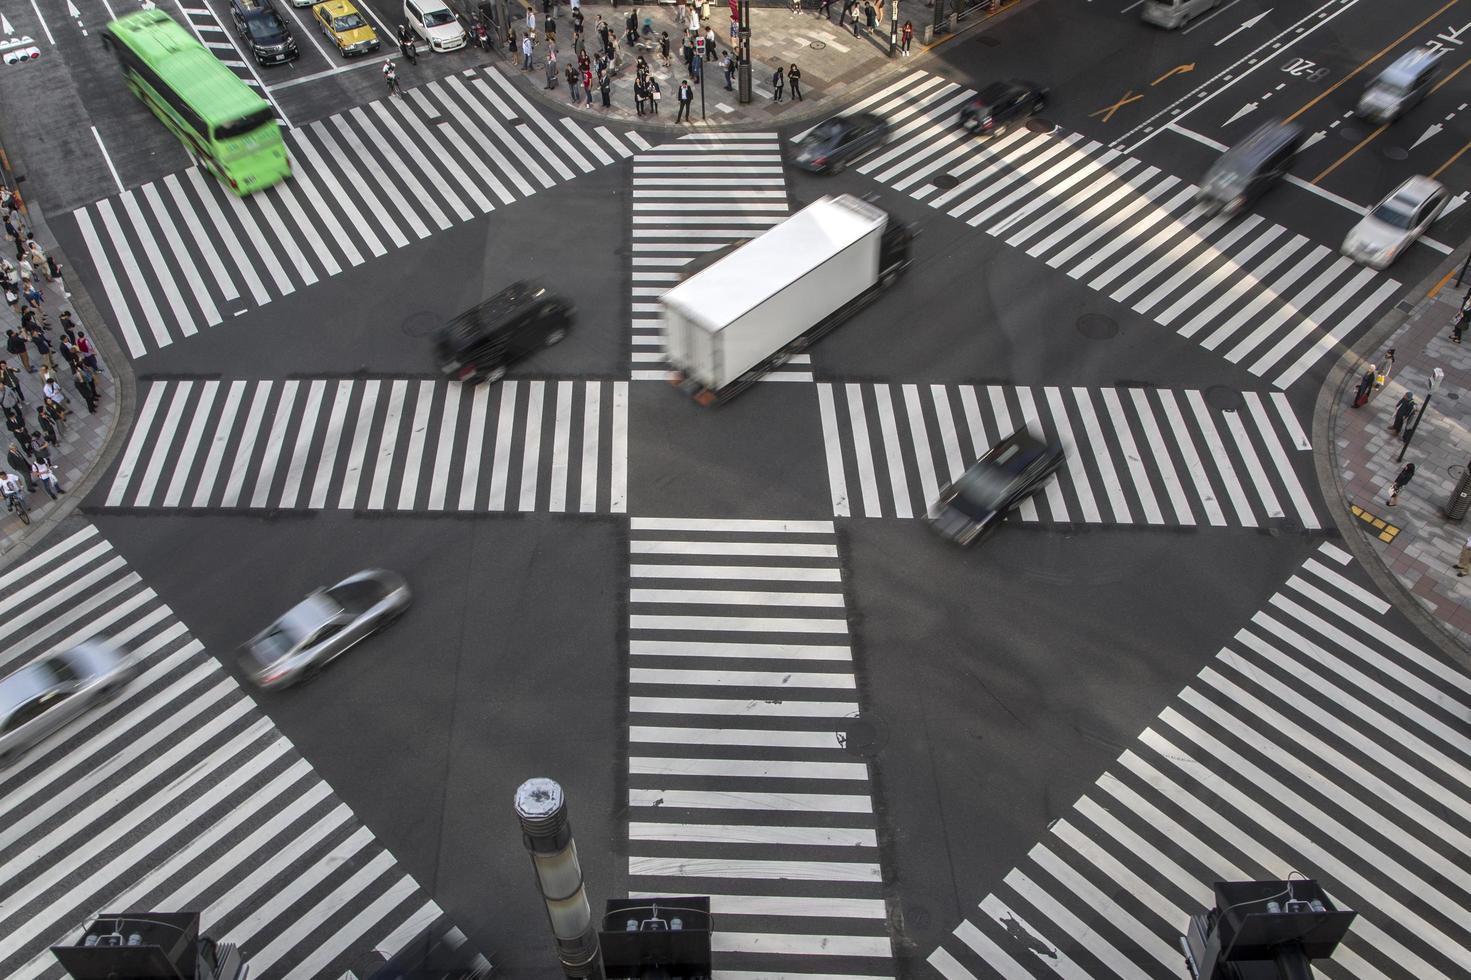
x,y
1107,111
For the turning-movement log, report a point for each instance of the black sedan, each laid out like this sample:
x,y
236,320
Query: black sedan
x,y
832,145
999,106
1009,472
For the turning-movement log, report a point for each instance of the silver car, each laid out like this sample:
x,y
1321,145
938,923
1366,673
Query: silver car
x,y
1400,87
322,626
47,693
1396,222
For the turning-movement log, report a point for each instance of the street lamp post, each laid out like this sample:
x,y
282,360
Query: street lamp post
x,y
893,26
547,834
743,62
1436,377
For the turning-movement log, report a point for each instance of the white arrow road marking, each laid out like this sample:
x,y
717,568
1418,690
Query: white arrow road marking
x,y
49,39
1430,131
1317,137
1249,107
5,26
1245,25
1454,203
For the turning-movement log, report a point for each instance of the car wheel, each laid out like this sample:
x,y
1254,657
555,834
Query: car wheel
x,y
1000,130
554,337
888,278
1038,106
836,167
495,374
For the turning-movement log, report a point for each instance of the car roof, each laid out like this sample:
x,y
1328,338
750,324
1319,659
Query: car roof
x,y
490,315
1407,66
996,91
25,684
311,613
1024,440
1266,140
338,7
1415,190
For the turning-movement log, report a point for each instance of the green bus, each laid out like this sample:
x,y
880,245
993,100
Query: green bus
x,y
224,124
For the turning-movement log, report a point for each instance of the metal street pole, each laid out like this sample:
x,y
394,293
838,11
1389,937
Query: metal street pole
x,y
1462,273
893,26
743,63
1436,377
547,833
704,63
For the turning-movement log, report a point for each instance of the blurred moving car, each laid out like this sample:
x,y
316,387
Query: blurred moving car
x,y
323,626
1250,168
1396,223
45,694
263,31
436,24
481,343
345,27
996,108
829,146
1171,14
997,483
1400,87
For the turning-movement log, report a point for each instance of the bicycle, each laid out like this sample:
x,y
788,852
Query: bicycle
x,y
16,504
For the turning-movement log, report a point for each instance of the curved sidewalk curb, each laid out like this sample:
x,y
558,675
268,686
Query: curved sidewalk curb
x,y
1325,417
125,390
821,108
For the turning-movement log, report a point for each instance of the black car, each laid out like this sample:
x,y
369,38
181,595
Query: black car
x,y
1009,472
831,145
479,344
1249,169
263,31
999,106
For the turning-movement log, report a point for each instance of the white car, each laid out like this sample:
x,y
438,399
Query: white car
x,y
436,24
1396,222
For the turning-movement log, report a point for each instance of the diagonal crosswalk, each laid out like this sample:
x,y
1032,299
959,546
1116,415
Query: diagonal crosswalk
x,y
1152,456
377,444
1270,300
693,196
1317,741
741,784
179,795
181,254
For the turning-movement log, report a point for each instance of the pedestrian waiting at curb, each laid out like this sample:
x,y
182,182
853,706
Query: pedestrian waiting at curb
x,y
1400,482
776,83
1366,385
794,79
686,96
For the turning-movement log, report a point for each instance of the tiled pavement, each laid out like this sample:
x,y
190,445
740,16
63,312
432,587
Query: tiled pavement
x,y
1415,539
85,436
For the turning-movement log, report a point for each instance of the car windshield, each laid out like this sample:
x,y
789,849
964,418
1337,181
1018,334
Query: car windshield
x,y
831,129
53,671
273,646
356,597
438,18
1391,88
983,489
348,22
266,28
1395,212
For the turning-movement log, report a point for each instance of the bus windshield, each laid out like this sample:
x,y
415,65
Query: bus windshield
x,y
243,125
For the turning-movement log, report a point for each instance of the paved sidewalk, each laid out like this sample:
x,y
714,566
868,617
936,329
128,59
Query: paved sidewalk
x,y
833,62
1416,541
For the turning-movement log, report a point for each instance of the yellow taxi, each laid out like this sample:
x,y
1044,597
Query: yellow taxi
x,y
345,27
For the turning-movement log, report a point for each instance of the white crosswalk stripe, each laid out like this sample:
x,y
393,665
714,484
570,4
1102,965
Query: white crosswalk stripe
x,y
1272,302
742,783
1126,451
373,444
179,794
365,182
693,196
1317,741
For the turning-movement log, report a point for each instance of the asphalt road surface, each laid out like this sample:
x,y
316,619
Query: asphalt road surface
x,y
727,632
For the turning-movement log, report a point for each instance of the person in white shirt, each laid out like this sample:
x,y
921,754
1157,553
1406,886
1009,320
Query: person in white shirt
x,y
10,489
46,476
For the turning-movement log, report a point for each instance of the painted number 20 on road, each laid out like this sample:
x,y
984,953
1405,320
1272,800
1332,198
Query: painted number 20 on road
x,y
1303,68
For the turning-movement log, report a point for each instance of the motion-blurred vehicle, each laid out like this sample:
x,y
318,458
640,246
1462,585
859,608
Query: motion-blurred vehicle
x,y
994,485
45,694
832,145
1171,14
263,32
1400,87
481,343
436,24
996,108
1396,223
1250,168
345,27
323,626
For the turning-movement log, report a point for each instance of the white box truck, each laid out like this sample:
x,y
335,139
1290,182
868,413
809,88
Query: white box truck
x,y
756,306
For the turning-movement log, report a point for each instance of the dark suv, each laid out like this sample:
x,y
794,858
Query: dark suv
x,y
263,31
997,107
479,344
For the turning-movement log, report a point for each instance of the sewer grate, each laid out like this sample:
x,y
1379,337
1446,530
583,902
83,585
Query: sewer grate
x,y
945,181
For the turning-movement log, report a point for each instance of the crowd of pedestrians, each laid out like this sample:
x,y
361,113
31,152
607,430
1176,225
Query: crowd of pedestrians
x,y
37,423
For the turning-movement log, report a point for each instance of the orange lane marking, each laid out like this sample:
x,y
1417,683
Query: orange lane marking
x,y
1107,111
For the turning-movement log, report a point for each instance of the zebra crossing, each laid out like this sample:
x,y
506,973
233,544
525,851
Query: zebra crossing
x,y
1317,741
1270,300
691,196
179,795
741,783
182,254
1134,455
377,444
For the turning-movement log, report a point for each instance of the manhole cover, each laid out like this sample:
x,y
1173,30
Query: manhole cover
x,y
1397,153
1096,326
817,45
422,324
1350,132
1223,398
1453,395
945,181
1036,124
989,41
862,736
